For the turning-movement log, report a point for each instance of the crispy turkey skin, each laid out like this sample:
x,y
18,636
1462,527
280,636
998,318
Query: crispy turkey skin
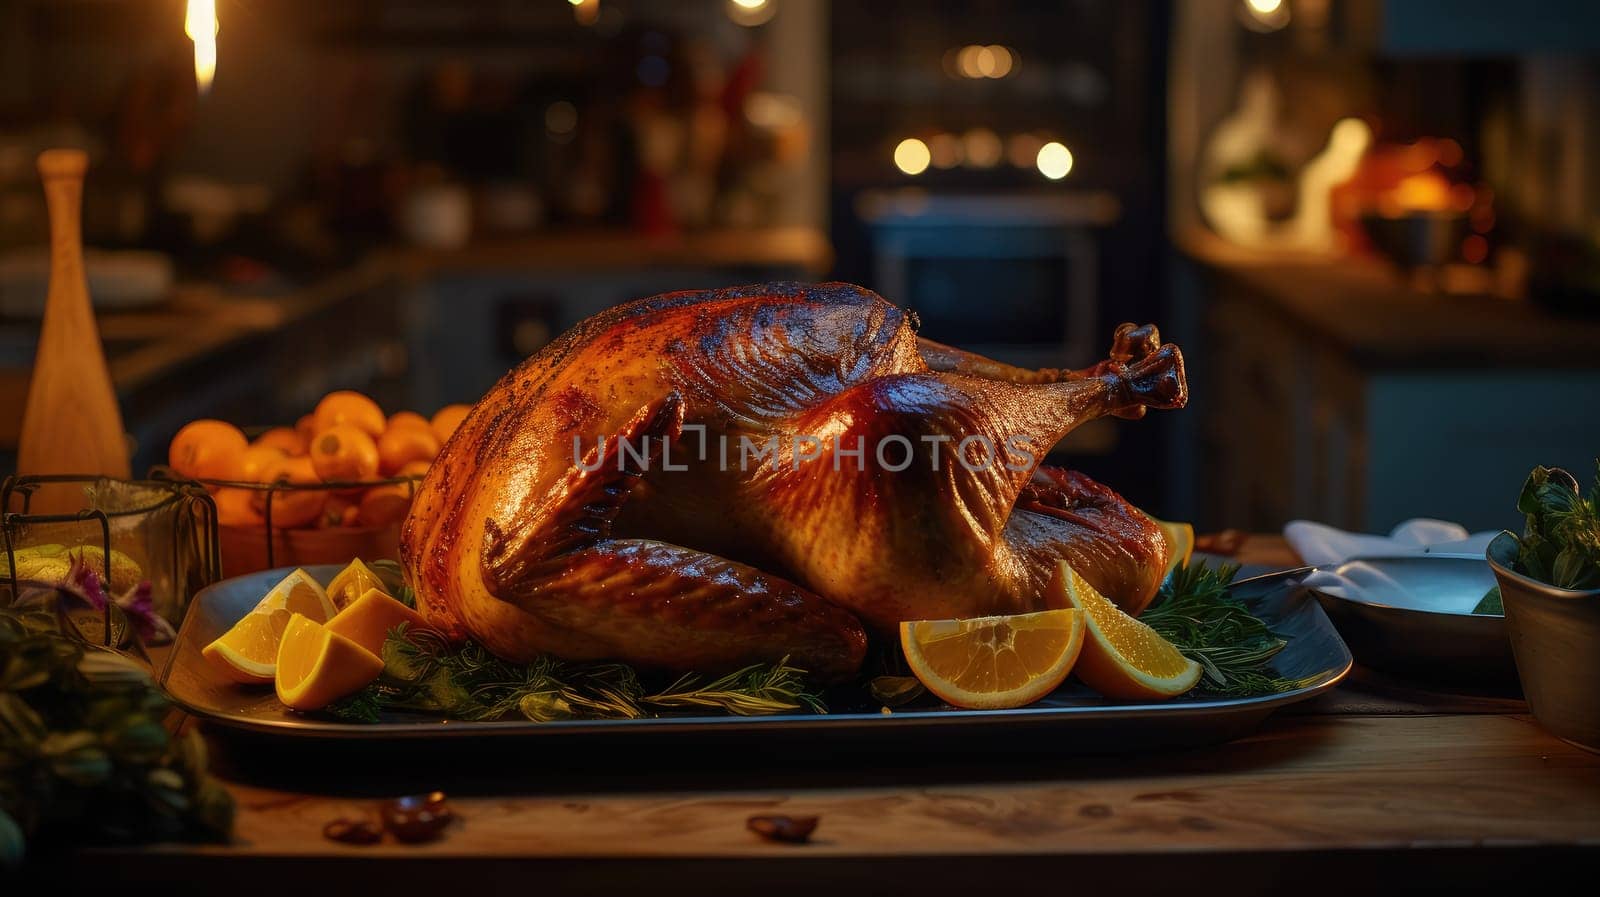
x,y
701,480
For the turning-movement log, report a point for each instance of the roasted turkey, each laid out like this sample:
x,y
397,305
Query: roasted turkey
x,y
702,480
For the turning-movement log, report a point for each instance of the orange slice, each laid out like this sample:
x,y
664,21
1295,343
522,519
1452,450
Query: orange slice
x,y
1180,544
352,582
248,652
990,663
1122,657
367,620
317,666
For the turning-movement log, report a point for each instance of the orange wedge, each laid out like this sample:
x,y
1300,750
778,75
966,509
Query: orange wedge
x,y
990,663
352,582
1180,544
367,620
248,652
317,666
1122,657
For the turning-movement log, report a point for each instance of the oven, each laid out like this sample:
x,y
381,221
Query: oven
x,y
1013,277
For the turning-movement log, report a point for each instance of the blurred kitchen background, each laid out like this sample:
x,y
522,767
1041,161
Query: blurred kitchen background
x,y
1372,225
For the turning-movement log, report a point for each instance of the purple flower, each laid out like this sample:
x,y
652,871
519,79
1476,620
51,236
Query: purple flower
x,y
83,581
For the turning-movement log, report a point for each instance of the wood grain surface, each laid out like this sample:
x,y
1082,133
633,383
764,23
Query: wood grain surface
x,y
1324,783
1313,803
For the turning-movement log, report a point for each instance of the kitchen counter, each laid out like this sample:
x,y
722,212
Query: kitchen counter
x,y
200,324
1370,785
1360,308
194,338
1329,390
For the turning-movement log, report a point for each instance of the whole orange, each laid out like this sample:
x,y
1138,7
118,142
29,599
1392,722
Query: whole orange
x,y
234,508
207,449
348,407
297,507
409,419
399,446
344,453
287,439
383,505
341,510
255,461
414,469
447,419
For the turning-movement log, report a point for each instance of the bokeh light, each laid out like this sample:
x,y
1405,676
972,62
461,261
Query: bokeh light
x,y
912,156
1054,160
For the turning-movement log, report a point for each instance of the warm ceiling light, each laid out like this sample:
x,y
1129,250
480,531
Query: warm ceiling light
x,y
200,23
1264,15
587,12
1023,149
773,111
983,148
967,61
1001,60
981,61
751,13
984,62
945,150
912,156
1054,160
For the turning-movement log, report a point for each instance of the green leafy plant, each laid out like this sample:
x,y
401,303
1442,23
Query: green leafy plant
x,y
424,672
83,752
1234,648
1560,544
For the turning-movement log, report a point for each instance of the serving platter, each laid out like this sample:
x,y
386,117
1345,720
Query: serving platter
x,y
1074,719
1414,618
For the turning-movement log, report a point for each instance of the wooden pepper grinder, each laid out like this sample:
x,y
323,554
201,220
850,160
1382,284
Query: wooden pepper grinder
x,y
71,423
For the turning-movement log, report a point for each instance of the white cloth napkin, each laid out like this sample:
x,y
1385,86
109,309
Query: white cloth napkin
x,y
1324,546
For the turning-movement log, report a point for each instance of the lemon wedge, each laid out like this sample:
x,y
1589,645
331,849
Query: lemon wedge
x,y
316,666
368,619
248,652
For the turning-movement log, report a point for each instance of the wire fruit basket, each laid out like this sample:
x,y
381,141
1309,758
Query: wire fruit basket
x,y
161,530
248,547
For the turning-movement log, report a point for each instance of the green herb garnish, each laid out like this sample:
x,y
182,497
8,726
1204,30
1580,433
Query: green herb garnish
x,y
84,754
424,672
1560,544
403,592
1195,612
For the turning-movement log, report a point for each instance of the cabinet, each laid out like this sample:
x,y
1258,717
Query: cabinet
x,y
1328,392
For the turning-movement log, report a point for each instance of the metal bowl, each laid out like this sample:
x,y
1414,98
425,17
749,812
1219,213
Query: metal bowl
x,y
1416,239
1429,630
1555,635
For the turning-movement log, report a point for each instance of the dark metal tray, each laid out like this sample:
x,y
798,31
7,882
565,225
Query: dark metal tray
x,y
1074,718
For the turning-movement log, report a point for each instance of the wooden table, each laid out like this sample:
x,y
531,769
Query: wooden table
x,y
1323,799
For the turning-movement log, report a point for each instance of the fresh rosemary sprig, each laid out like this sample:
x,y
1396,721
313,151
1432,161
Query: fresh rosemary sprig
x,y
1234,648
758,690
393,571
424,672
